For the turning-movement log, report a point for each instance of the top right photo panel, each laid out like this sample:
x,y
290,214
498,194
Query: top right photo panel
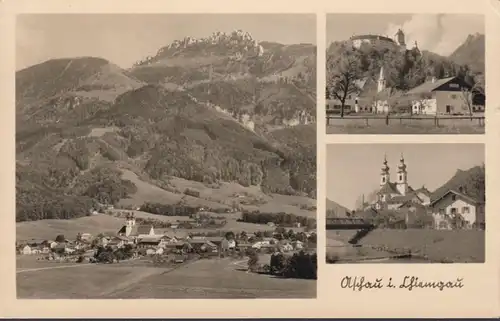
x,y
405,74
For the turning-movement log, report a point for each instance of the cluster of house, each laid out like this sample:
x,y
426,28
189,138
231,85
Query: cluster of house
x,y
145,237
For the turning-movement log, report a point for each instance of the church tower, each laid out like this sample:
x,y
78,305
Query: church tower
x,y
129,224
384,175
402,182
400,38
381,80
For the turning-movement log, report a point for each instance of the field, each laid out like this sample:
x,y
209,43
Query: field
x,y
458,246
208,278
405,126
220,196
49,229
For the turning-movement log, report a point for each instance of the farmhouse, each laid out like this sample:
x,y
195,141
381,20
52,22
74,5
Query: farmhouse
x,y
26,250
450,96
455,209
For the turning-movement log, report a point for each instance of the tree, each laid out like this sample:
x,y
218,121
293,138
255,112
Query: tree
x,y
342,74
60,238
229,235
468,95
253,260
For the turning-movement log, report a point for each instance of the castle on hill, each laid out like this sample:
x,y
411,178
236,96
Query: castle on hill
x,y
398,40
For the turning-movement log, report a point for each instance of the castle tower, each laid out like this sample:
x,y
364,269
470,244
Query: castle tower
x,y
381,80
402,181
400,38
384,175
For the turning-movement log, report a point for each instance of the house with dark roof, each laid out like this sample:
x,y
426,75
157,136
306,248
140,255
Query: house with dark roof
x,y
446,96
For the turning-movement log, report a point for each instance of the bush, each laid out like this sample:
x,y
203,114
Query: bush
x,y
192,192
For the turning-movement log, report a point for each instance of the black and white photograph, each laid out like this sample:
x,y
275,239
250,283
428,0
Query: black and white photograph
x,y
405,74
405,203
165,156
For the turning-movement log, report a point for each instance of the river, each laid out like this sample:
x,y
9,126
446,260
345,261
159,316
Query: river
x,y
346,253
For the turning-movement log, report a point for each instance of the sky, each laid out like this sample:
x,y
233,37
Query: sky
x,y
439,33
125,38
354,169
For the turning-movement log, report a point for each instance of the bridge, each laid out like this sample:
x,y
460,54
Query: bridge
x,y
363,227
348,223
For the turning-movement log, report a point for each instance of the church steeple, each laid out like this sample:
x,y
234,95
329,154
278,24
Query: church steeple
x,y
381,80
402,182
384,175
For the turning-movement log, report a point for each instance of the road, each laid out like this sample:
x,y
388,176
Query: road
x,y
53,267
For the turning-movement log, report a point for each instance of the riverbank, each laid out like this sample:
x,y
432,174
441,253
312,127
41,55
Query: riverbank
x,y
456,246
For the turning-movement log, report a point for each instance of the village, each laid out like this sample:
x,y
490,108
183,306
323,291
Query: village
x,y
136,240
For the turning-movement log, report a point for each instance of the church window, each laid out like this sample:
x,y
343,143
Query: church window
x,y
400,177
465,210
383,179
453,210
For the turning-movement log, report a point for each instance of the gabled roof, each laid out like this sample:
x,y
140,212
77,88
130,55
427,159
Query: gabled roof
x,y
463,196
150,239
388,188
404,198
423,190
429,86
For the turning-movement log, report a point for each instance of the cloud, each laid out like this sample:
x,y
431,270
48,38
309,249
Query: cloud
x,y
439,33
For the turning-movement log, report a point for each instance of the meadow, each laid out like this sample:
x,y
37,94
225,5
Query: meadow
x,y
206,278
360,125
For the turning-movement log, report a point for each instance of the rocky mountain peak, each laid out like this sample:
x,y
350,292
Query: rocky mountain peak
x,y
237,43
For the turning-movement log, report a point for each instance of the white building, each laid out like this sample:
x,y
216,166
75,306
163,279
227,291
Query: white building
x,y
443,96
458,207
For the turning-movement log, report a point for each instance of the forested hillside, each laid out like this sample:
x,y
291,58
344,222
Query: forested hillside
x,y
82,121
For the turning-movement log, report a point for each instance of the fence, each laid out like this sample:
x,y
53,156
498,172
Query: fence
x,y
373,120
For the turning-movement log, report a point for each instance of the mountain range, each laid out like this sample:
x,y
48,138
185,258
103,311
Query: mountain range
x,y
220,109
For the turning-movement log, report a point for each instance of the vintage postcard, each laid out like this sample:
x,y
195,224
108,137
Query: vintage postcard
x,y
224,159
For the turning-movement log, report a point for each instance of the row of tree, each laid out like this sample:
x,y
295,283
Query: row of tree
x,y
282,219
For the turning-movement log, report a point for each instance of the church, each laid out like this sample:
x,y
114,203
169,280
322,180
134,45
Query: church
x,y
398,194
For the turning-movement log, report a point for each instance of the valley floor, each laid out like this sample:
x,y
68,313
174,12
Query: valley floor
x,y
206,278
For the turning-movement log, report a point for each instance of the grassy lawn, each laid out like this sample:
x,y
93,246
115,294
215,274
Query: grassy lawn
x,y
207,278
460,246
49,229
423,126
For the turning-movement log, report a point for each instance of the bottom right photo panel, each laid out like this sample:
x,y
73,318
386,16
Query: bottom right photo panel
x,y
405,203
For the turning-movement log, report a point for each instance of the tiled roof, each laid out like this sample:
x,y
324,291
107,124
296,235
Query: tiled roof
x,y
463,196
429,86
388,188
